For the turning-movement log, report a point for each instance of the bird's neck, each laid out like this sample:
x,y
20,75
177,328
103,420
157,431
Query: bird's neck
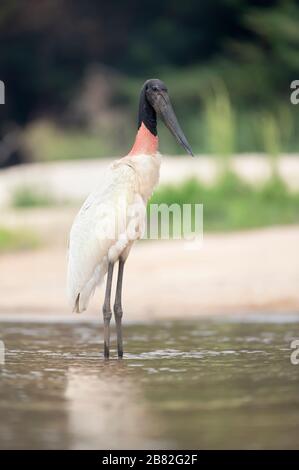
x,y
145,142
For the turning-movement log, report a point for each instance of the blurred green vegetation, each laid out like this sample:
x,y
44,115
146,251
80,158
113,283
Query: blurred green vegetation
x,y
17,239
232,204
219,129
65,144
73,72
27,197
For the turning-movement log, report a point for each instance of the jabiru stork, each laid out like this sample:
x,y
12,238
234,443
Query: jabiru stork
x,y
129,182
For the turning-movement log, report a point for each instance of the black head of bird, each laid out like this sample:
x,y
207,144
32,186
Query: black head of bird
x,y
154,100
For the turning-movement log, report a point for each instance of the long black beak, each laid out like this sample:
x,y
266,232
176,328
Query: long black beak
x,y
164,108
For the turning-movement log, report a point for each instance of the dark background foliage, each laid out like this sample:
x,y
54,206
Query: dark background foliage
x,y
48,47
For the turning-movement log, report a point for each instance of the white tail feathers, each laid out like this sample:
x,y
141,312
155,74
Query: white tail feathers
x,y
80,300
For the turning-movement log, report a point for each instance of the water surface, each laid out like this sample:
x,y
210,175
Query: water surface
x,y
204,384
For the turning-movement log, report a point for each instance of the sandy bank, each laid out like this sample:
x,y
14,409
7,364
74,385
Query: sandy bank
x,y
239,272
73,180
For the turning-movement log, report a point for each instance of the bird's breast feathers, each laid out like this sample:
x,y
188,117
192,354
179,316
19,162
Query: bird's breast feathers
x,y
147,170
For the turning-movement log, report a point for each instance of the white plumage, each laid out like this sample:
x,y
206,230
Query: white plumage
x,y
102,230
114,215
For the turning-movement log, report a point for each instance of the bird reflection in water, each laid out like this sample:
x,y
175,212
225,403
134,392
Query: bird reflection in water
x,y
106,409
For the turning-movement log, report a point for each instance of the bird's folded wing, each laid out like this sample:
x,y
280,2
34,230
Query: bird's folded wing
x,y
99,225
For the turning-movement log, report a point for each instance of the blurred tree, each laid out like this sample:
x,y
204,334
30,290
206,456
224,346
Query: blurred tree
x,y
47,47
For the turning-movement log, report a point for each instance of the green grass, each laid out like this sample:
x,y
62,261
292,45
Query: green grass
x,y
26,197
229,204
232,204
17,239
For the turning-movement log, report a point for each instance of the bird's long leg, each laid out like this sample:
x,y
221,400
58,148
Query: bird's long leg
x,y
107,311
118,311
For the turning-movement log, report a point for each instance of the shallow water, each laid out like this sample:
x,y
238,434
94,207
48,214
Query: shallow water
x,y
205,384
